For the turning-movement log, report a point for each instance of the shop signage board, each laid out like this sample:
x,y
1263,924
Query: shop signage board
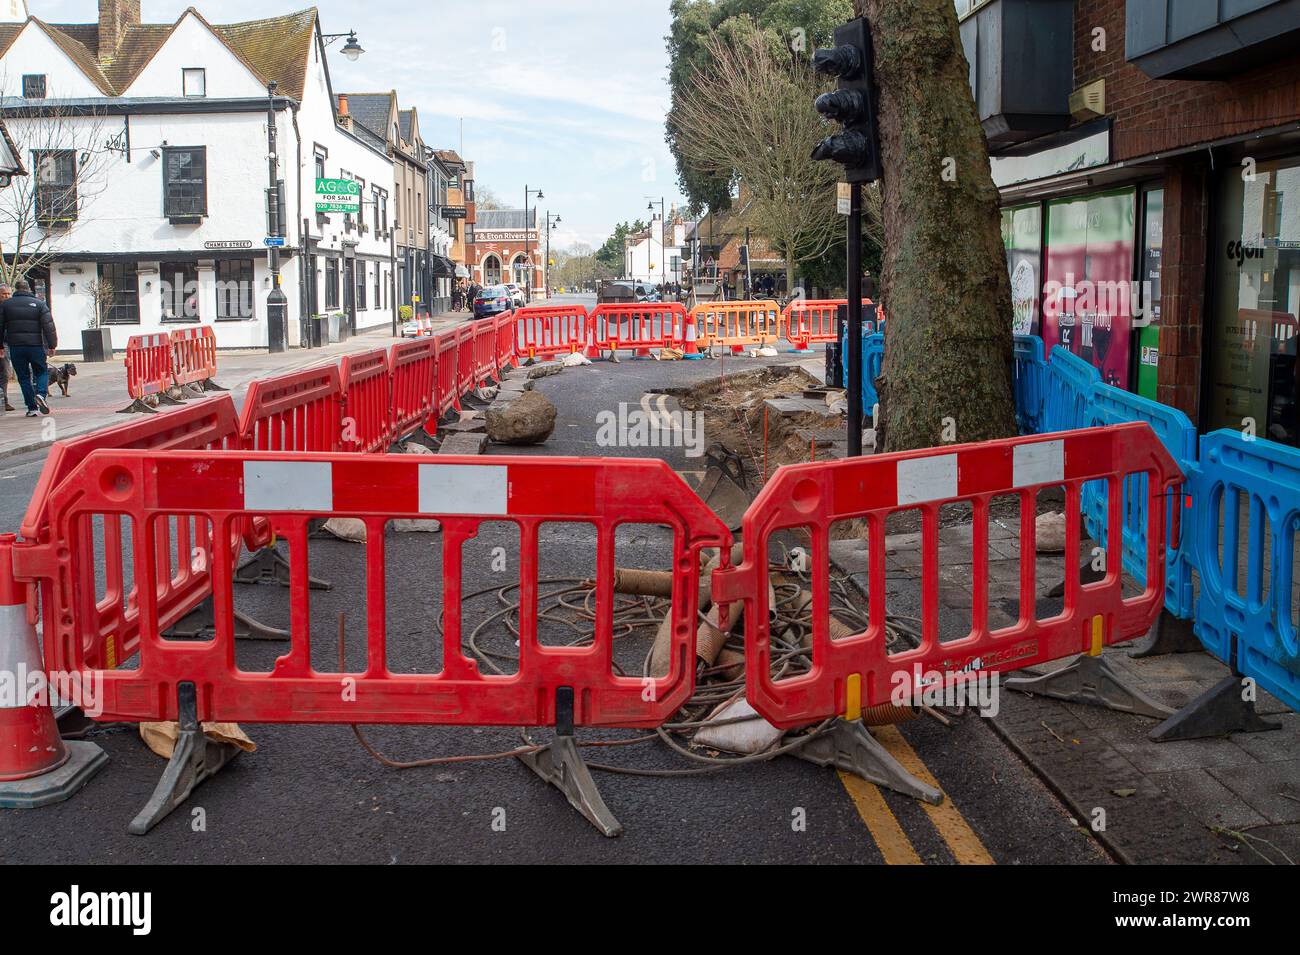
x,y
338,195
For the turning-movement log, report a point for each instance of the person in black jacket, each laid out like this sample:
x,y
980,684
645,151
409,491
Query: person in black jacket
x,y
27,335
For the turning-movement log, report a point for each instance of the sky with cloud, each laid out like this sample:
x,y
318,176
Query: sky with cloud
x,y
565,95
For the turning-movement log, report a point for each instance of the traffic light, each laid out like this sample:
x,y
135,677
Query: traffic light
x,y
852,103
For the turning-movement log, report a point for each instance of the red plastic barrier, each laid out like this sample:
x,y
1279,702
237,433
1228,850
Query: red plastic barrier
x,y
855,673
414,401
617,327
448,390
544,331
372,395
465,365
505,342
485,350
109,628
194,354
805,322
294,412
148,365
462,493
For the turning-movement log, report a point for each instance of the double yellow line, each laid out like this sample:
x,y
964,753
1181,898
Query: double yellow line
x,y
894,845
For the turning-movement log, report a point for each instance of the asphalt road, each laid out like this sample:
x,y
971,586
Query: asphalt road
x,y
312,794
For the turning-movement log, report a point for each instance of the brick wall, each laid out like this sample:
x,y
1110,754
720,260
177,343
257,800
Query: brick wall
x,y
1182,285
1158,115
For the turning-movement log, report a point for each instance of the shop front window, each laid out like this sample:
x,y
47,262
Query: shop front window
x,y
1022,230
1147,333
1256,267
1088,281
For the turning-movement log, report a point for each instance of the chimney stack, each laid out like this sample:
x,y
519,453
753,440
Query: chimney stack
x,y
115,18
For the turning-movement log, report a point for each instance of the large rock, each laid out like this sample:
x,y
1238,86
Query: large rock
x,y
529,419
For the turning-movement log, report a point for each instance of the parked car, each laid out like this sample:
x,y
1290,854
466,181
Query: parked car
x,y
493,300
517,294
646,293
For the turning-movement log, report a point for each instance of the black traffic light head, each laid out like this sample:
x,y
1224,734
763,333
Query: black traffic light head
x,y
852,103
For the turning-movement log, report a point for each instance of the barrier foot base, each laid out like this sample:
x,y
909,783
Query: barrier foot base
x,y
849,746
195,759
268,567
1218,711
139,406
561,765
1094,681
201,624
1168,634
191,390
73,723
422,438
210,385
84,760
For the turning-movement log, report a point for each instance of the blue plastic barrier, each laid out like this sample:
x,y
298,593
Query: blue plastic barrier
x,y
1261,617
1066,388
1108,405
873,358
1028,370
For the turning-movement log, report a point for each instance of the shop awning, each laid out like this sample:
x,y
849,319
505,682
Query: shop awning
x,y
442,265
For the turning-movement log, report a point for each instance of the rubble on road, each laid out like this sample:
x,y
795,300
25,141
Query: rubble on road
x,y
528,419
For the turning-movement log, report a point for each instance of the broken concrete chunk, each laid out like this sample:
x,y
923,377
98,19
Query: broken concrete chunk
x,y
529,419
1049,530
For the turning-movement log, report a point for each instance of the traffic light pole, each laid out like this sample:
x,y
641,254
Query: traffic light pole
x,y
855,320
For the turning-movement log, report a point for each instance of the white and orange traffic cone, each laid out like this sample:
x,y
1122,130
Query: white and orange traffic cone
x,y
36,766
690,336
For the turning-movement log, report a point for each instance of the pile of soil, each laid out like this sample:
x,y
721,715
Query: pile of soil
x,y
733,409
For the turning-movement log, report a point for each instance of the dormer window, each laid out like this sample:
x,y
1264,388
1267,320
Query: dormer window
x,y
34,86
194,82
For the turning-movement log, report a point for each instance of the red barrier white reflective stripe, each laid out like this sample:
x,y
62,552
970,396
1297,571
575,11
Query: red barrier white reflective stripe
x,y
851,674
290,491
194,354
375,399
148,364
414,369
465,366
448,390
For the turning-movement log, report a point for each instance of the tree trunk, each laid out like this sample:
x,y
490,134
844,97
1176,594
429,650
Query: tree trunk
x,y
947,369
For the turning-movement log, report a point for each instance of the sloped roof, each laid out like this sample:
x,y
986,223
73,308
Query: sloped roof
x,y
274,49
404,122
371,110
490,219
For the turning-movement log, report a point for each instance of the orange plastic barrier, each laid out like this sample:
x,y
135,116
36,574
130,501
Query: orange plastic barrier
x,y
852,674
738,325
805,322
544,331
372,398
194,354
110,628
636,327
294,412
148,365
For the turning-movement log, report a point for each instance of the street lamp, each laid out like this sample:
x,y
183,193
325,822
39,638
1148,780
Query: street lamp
x,y
551,222
351,49
528,291
662,225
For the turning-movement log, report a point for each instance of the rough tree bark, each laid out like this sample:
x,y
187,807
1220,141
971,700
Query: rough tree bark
x,y
947,369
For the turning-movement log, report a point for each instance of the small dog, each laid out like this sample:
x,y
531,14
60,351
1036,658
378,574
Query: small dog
x,y
61,375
